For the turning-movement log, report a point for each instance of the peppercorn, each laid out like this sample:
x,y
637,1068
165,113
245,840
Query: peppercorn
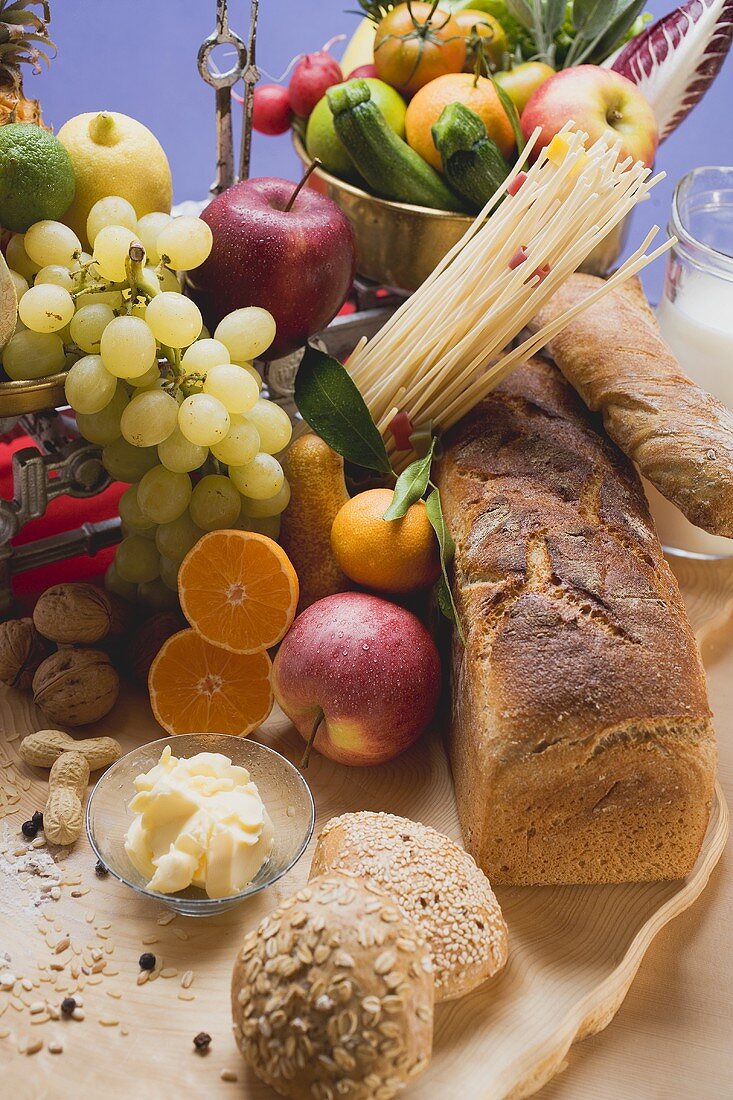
x,y
100,869
29,829
147,961
68,1006
37,819
202,1041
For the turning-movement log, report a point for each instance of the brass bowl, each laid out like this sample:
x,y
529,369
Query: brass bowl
x,y
18,398
398,245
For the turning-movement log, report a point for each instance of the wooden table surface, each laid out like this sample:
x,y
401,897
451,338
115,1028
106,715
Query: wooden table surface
x,y
671,1037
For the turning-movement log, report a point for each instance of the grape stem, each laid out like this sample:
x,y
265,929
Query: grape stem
x,y
135,275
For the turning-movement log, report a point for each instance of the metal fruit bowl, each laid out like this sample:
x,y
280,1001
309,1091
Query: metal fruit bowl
x,y
398,245
19,398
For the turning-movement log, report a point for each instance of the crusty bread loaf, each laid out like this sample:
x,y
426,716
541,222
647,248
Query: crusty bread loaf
x,y
680,436
332,994
581,742
433,882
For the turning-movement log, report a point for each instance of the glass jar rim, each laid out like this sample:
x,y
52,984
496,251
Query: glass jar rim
x,y
703,255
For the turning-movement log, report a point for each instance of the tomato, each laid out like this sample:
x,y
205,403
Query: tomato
x,y
483,33
416,44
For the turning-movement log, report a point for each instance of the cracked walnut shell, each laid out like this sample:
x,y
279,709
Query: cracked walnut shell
x,y
76,686
21,651
73,613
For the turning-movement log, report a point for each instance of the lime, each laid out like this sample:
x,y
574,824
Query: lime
x,y
322,141
36,176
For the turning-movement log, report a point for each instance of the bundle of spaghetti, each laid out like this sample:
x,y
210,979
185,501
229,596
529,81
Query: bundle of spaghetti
x,y
441,352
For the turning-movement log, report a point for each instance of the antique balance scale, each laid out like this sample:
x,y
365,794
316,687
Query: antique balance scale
x,y
60,462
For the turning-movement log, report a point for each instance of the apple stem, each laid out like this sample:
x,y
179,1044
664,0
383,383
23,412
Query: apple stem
x,y
315,163
309,745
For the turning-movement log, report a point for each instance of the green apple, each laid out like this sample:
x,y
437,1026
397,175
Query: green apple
x,y
322,141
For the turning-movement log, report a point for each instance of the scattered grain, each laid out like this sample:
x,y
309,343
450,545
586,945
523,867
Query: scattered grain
x,y
228,1075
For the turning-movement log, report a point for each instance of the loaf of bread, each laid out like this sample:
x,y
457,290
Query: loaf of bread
x,y
581,742
433,882
679,435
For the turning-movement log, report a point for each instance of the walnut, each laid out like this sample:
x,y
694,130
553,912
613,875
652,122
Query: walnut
x,y
76,686
147,641
68,613
21,651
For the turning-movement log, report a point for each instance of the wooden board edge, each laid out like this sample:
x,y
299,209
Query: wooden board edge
x,y
595,1012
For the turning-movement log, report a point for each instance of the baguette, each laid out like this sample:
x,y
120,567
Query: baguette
x,y
679,435
581,742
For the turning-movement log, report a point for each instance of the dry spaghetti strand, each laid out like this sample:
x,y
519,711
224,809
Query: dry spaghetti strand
x,y
443,349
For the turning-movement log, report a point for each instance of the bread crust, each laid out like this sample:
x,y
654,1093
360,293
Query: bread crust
x,y
680,436
581,742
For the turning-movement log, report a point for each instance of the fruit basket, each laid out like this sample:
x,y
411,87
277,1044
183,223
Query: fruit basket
x,y
398,245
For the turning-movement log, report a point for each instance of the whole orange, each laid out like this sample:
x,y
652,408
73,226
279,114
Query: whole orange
x,y
478,95
386,555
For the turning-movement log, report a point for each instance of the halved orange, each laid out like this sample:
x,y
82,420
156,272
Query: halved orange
x,y
196,687
239,590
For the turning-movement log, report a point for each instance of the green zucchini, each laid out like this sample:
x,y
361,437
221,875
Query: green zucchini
x,y
391,168
472,163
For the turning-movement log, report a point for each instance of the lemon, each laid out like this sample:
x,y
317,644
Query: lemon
x,y
113,154
322,141
36,176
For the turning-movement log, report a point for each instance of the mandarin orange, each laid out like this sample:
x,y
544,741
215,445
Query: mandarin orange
x,y
478,95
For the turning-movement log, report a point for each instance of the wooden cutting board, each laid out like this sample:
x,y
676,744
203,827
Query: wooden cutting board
x,y
574,951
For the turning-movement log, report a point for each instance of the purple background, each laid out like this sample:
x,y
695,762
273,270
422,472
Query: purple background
x,y
140,57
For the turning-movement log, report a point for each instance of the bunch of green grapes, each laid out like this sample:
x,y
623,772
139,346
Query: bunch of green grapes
x,y
178,413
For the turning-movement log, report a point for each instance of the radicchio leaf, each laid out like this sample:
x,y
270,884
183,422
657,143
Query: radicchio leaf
x,y
675,61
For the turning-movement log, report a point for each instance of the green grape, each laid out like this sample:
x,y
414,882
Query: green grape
x,y
215,503
169,573
203,420
174,319
103,427
240,444
163,495
148,380
131,514
49,242
262,525
150,418
186,242
111,251
259,479
180,455
253,373
111,298
168,280
157,594
111,210
124,462
175,539
128,347
56,274
203,355
19,260
137,559
89,387
20,285
30,355
46,308
246,332
273,425
271,506
149,228
114,583
234,387
88,324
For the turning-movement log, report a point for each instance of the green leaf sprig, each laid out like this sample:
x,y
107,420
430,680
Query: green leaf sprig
x,y
593,28
332,405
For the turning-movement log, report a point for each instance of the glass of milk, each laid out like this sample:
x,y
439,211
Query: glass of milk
x,y
696,318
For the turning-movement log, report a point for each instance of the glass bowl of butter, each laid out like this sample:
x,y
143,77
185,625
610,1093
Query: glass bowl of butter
x,y
200,822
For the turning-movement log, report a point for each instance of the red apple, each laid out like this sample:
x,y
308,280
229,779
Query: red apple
x,y
367,669
298,263
599,101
